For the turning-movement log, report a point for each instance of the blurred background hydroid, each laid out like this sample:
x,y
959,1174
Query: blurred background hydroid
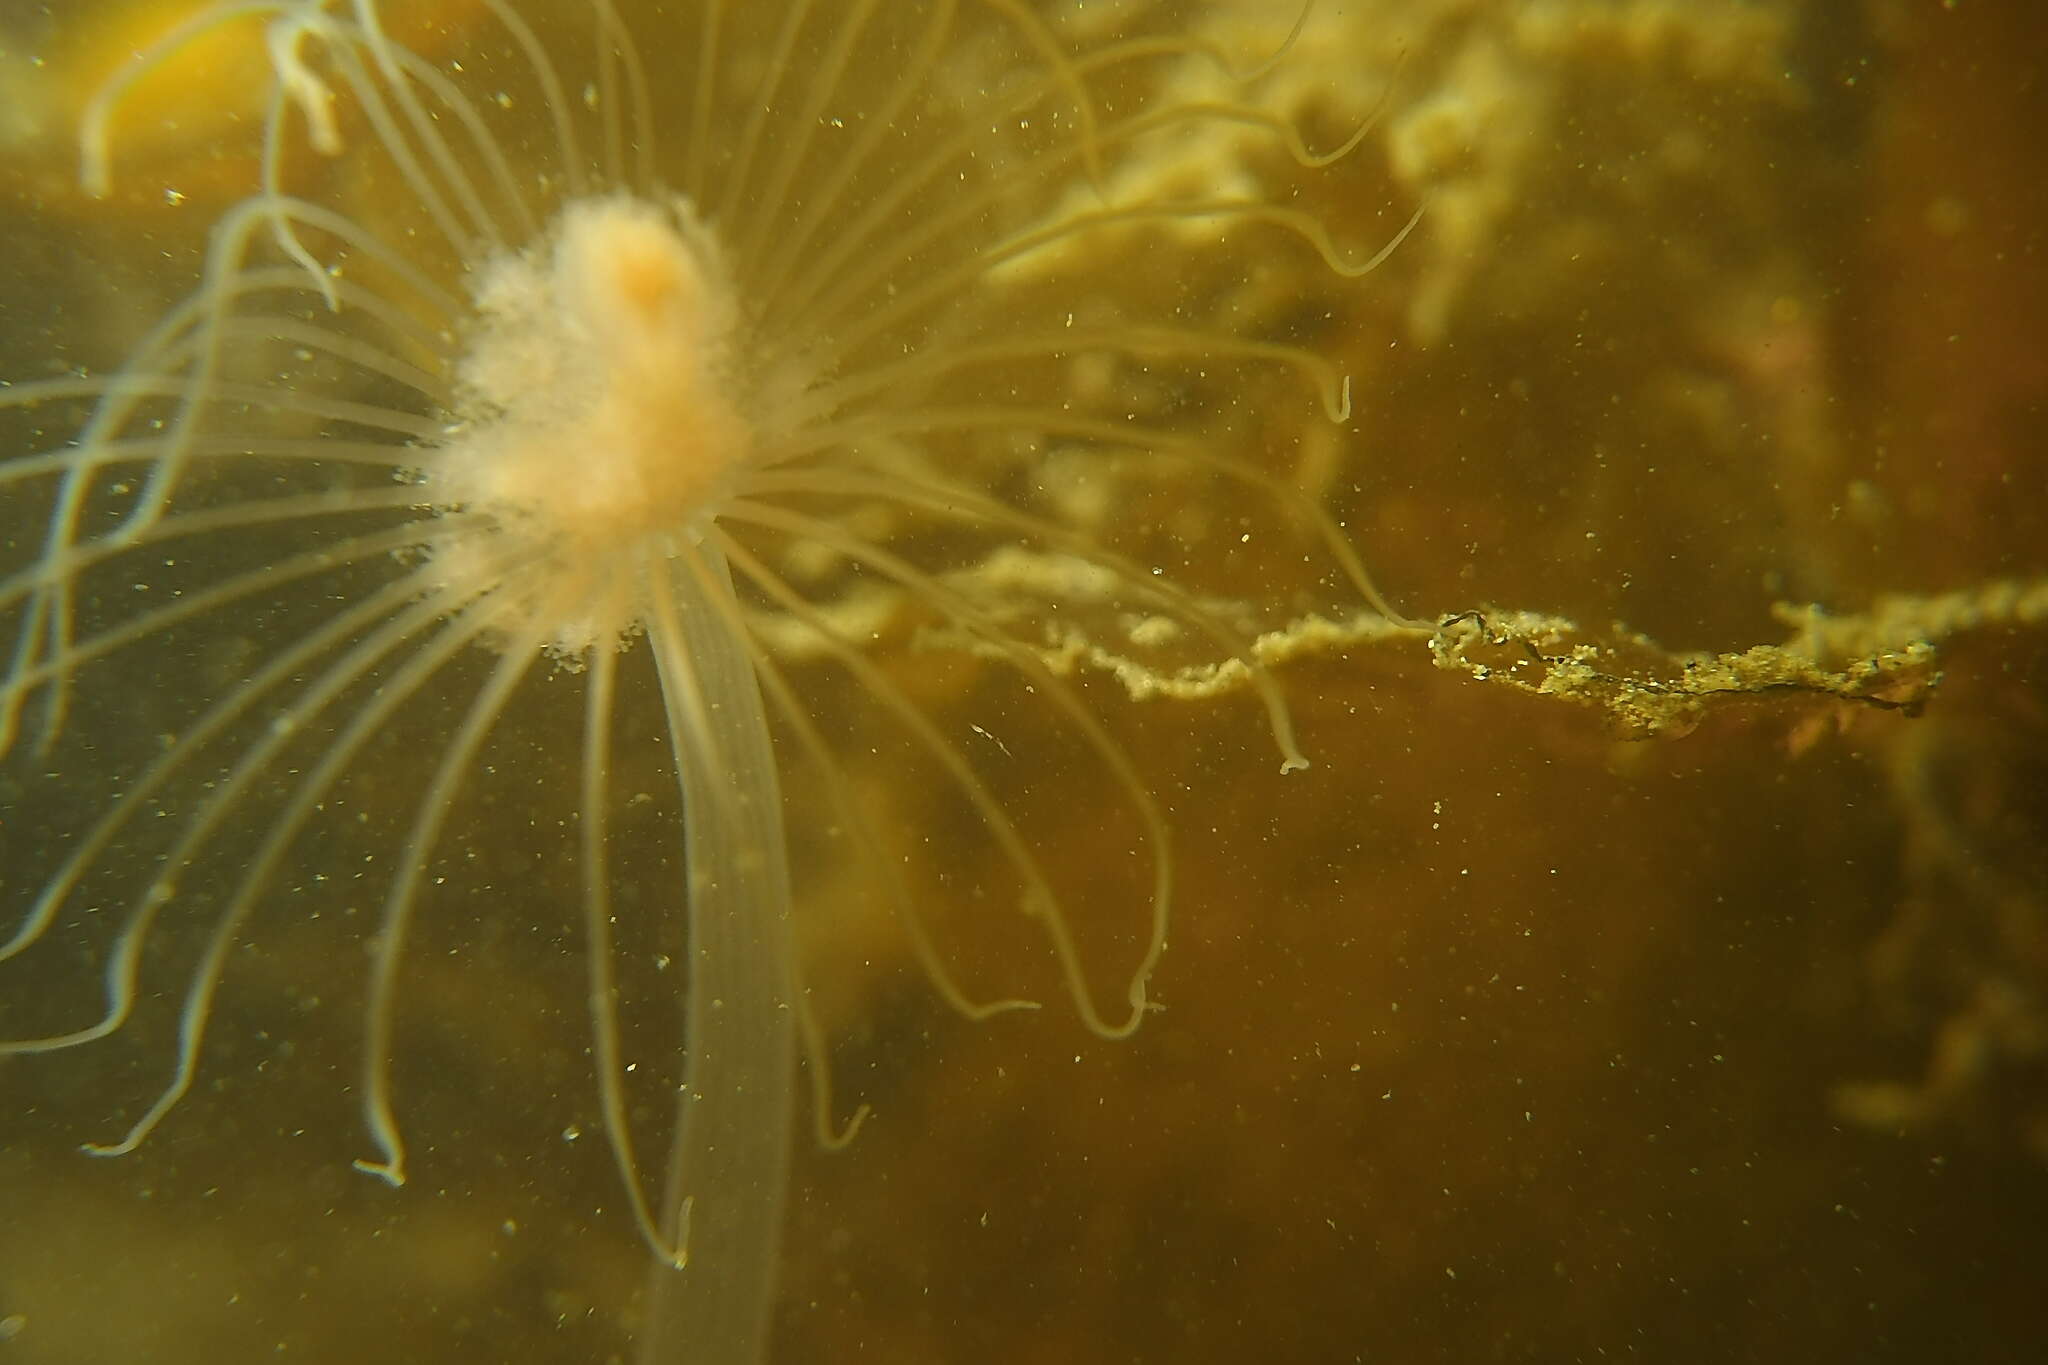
x,y
1586,996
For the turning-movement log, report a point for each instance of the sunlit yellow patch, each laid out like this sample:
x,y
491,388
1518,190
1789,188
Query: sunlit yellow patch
x,y
180,136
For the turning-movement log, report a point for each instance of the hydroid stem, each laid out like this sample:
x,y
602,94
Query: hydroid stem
x,y
730,1162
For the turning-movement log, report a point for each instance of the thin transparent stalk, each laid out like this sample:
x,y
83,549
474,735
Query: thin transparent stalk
x,y
729,1169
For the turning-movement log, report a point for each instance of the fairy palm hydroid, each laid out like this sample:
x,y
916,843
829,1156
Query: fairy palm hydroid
x,y
544,363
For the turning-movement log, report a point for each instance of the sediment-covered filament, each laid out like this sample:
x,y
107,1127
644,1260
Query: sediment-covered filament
x,y
805,412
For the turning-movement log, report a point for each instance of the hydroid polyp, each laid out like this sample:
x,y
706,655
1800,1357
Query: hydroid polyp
x,y
527,365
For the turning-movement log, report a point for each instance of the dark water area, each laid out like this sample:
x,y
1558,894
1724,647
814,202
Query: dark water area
x,y
1502,1032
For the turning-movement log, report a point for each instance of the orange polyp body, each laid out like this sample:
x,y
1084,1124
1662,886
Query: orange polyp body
x,y
598,402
